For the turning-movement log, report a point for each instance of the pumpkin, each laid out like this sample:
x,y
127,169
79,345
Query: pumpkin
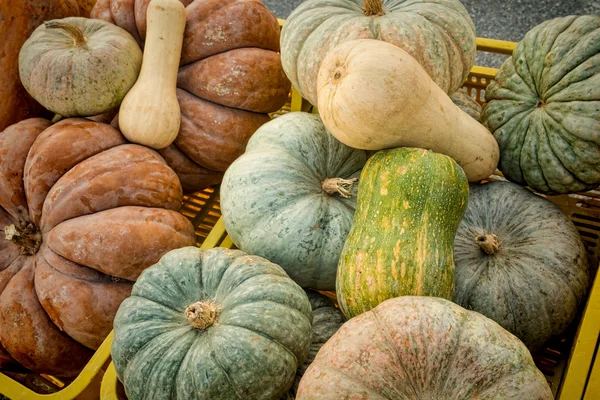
x,y
79,66
290,197
150,113
416,347
19,19
525,267
362,100
410,203
83,213
466,103
327,319
543,109
230,78
440,35
215,324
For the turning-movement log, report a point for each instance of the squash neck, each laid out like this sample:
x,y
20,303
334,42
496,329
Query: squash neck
x,y
341,186
202,314
488,243
79,39
27,237
373,8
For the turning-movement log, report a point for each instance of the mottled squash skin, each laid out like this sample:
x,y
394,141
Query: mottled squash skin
x,y
249,348
438,34
535,280
423,348
274,205
410,203
19,19
543,108
79,76
327,319
230,79
93,212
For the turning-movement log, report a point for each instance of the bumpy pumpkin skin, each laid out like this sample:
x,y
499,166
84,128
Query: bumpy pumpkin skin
x,y
94,235
410,204
438,34
466,103
543,109
274,205
327,319
533,284
79,79
19,19
250,349
231,77
423,348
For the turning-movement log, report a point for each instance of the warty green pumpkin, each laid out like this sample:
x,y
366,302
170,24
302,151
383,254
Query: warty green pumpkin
x,y
519,261
410,203
543,107
439,34
423,348
215,324
78,66
291,196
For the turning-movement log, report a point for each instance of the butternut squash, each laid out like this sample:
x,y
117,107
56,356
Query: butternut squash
x,y
150,113
373,95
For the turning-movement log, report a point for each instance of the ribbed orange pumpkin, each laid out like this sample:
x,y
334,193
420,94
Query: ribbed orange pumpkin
x,y
83,214
230,78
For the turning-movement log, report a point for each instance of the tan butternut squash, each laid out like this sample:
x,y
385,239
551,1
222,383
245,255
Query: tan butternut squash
x,y
373,95
150,113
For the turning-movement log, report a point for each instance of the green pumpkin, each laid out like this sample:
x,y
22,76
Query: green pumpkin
x,y
79,66
543,107
519,261
327,319
216,324
467,104
439,34
290,197
410,203
423,348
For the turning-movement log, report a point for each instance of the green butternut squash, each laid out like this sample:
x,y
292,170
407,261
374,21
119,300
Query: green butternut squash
x,y
409,206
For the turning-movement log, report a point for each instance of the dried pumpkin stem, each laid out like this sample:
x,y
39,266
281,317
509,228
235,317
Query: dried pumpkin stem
x,y
488,243
202,314
78,37
27,238
338,185
57,117
373,8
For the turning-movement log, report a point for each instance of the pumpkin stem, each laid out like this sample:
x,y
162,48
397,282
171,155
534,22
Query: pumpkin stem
x,y
28,238
57,117
78,38
202,314
373,8
338,185
488,243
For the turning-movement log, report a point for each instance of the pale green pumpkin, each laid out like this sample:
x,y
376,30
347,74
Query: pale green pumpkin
x,y
216,324
291,196
78,66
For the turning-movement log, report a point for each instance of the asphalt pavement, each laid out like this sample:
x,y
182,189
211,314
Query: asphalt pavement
x,y
497,19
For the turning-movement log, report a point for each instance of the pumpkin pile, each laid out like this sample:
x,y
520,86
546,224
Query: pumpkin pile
x,y
445,283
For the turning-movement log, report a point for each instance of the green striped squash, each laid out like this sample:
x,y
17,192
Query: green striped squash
x,y
409,206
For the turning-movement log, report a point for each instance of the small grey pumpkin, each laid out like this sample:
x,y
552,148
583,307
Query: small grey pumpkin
x,y
79,66
466,103
519,261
